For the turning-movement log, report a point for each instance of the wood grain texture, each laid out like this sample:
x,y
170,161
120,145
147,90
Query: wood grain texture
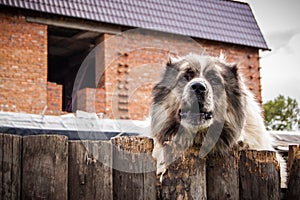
x,y
90,171
10,166
259,175
45,167
134,172
293,191
222,175
185,177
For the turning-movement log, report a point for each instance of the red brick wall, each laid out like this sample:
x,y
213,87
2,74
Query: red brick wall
x,y
23,64
54,98
131,65
91,100
134,65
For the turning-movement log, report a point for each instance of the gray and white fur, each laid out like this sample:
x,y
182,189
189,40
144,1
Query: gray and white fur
x,y
203,101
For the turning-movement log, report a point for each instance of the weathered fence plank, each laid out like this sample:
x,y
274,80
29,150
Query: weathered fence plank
x,y
10,166
90,171
45,167
222,175
134,172
293,151
259,175
293,191
185,177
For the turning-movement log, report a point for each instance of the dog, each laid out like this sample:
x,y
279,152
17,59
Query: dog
x,y
203,101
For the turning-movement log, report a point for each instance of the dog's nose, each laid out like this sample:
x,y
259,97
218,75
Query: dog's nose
x,y
199,87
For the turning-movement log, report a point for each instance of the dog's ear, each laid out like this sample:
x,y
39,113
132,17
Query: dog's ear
x,y
234,69
173,59
222,56
230,72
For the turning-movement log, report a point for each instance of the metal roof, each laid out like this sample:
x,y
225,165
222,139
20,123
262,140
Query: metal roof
x,y
282,139
218,20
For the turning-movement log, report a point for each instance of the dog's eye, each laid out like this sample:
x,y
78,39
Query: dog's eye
x,y
189,75
215,81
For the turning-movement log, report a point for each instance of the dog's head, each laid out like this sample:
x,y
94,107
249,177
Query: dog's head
x,y
195,92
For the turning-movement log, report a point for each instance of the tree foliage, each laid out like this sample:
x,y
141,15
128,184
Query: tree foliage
x,y
282,114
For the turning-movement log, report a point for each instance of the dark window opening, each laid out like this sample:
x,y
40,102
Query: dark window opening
x,y
67,49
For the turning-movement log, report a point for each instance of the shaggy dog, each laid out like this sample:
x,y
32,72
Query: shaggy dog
x,y
203,102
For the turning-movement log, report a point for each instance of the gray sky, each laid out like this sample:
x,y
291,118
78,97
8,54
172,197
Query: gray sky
x,y
279,21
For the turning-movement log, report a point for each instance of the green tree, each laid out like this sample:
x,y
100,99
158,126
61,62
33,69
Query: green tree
x,y
282,114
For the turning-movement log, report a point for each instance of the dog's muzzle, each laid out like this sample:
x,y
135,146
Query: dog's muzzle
x,y
199,88
193,110
195,118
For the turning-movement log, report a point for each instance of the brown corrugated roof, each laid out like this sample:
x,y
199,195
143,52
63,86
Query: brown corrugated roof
x,y
218,20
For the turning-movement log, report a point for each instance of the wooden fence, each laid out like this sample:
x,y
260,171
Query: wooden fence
x,y
53,167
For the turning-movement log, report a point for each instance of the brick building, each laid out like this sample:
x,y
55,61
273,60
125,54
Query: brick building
x,y
104,56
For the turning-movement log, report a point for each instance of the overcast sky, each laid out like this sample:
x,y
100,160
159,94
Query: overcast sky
x,y
279,21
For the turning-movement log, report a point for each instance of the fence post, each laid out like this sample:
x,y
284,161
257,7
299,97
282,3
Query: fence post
x,y
134,169
222,174
294,172
45,167
10,166
185,177
90,171
259,175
